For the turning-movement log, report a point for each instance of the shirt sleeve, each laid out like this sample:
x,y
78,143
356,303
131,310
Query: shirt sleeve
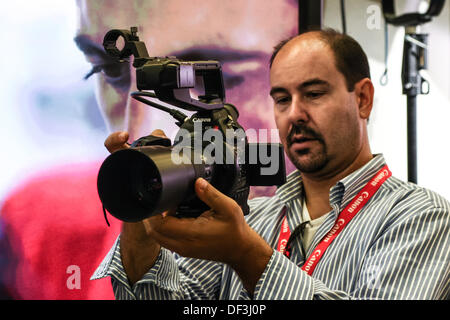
x,y
171,278
409,260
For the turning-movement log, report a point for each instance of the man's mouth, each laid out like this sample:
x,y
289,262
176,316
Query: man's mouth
x,y
301,142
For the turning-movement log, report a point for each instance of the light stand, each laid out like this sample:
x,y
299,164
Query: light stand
x,y
414,60
310,15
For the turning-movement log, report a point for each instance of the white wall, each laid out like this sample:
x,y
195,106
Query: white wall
x,y
387,126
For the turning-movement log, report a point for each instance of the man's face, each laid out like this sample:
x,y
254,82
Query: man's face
x,y
316,116
240,34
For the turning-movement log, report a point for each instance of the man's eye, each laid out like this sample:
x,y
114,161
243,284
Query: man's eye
x,y
115,73
314,94
281,100
231,81
112,70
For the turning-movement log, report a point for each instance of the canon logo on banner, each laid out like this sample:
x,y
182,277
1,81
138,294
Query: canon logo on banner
x,y
335,228
379,177
312,259
285,226
283,243
358,201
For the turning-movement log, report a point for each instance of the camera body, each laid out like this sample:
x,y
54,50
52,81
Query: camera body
x,y
154,176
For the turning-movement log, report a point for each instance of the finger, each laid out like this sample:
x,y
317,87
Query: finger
x,y
170,212
171,232
156,219
117,141
215,199
168,224
159,133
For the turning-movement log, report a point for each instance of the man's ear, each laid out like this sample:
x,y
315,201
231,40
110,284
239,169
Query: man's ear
x,y
364,92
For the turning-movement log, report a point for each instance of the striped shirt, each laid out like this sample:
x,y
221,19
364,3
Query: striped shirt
x,y
396,247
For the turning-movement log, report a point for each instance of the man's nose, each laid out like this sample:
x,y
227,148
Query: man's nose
x,y
298,111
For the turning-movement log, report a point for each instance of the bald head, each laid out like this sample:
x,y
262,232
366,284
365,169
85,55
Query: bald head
x,y
349,57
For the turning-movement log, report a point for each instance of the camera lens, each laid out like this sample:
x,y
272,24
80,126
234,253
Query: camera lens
x,y
136,183
129,185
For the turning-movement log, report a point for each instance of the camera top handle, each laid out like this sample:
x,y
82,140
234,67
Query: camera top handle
x,y
169,77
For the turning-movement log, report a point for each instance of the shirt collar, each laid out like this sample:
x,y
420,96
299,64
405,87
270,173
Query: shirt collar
x,y
342,192
347,188
292,188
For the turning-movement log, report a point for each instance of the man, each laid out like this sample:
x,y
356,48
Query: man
x,y
357,232
54,234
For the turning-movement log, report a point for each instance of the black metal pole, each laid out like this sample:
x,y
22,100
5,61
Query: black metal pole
x,y
414,59
310,15
411,111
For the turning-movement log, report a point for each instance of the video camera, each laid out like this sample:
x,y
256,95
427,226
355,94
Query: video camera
x,y
154,176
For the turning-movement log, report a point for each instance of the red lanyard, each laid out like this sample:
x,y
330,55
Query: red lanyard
x,y
343,219
285,233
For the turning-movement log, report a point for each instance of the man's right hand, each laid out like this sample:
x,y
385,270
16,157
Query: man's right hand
x,y
117,141
138,251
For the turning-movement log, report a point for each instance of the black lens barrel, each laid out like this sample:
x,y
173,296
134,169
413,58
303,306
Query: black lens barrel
x,y
137,183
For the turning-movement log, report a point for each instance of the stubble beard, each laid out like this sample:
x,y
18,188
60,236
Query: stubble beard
x,y
308,161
